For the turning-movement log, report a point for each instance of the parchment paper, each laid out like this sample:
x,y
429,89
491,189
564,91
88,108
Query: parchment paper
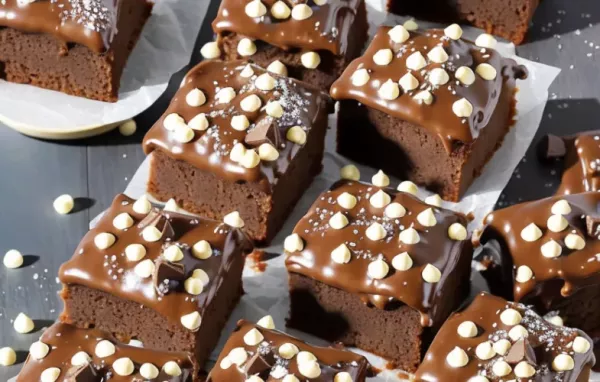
x,y
164,47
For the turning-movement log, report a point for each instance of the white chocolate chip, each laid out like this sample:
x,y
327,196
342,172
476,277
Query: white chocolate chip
x,y
296,134
39,350
151,234
486,71
409,236
123,366
581,345
149,371
395,210
63,204
380,199
80,358
378,269
274,109
402,262
438,77
510,317
144,269
201,275
225,95
104,240
467,329
524,274
465,75
563,362
434,200
321,2
193,286
424,97
104,349
531,233
457,232
199,122
290,378
251,103
408,82
408,187
254,378
135,252
341,254
556,320
191,321
50,374
360,77
427,218
438,55
502,346
288,350
195,98
246,47
350,172
233,219
240,122
485,351
453,31
265,82
142,205
237,152
171,205
280,10
416,61
255,8
338,221
485,40
253,337
411,25
122,221
266,322
225,363
383,57
399,34
380,179
431,274
524,370
173,121
8,356
574,241
267,152
346,200
310,369
247,72
202,249
183,134
305,356
389,90
210,50
561,207
301,12
310,60
501,368
376,232
343,376
13,259
277,66
457,358
462,108
551,249
518,332
293,243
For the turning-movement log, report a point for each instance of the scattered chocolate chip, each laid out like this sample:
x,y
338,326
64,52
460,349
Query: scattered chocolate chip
x,y
521,351
552,147
167,275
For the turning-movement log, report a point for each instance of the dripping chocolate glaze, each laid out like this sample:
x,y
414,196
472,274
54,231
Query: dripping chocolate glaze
x,y
209,150
437,117
575,268
331,360
65,341
91,23
408,287
110,271
547,341
327,28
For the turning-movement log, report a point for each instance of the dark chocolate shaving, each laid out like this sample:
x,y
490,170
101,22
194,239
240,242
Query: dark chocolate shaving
x,y
265,131
161,222
521,351
167,276
83,373
259,365
552,147
592,224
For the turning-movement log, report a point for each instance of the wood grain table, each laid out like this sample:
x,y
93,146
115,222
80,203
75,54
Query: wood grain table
x,y
565,33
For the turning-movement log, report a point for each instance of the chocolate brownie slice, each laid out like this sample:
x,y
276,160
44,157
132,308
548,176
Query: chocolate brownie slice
x,y
427,106
309,40
496,340
509,20
377,269
78,47
545,253
164,278
236,137
65,353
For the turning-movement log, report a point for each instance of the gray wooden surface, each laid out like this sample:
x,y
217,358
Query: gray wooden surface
x,y
565,33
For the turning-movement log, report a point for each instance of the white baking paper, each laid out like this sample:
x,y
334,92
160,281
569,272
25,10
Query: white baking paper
x,y
165,46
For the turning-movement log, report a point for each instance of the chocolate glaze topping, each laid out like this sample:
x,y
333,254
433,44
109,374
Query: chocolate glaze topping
x,y
527,359
211,149
327,28
265,360
164,291
438,116
64,341
91,23
434,248
552,255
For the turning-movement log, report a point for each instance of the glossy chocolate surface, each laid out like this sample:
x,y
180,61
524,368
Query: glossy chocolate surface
x,y
438,117
326,29
406,286
92,23
110,271
543,343
65,341
210,149
265,361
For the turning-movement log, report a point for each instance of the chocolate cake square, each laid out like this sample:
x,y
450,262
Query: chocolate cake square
x,y
378,269
260,353
496,340
545,254
167,279
66,353
509,20
237,138
427,106
311,40
78,47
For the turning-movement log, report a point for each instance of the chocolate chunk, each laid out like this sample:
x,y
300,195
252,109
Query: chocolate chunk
x,y
521,351
265,131
161,222
167,275
259,365
552,147
83,373
592,224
